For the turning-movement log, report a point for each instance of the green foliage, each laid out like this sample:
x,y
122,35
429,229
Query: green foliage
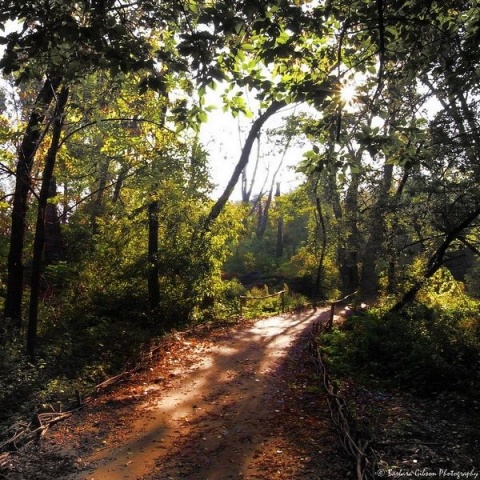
x,y
423,349
105,278
472,280
79,348
253,255
72,39
258,308
304,265
442,291
299,261
19,383
295,301
228,303
260,302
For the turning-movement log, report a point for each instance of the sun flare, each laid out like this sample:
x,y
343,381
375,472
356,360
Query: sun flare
x,y
348,93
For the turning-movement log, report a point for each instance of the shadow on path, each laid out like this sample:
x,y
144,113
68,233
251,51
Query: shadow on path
x,y
243,410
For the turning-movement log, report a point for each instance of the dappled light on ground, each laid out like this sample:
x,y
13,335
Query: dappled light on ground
x,y
240,406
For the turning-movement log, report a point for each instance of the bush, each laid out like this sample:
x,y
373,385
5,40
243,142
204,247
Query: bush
x,y
271,305
20,382
472,280
228,301
423,348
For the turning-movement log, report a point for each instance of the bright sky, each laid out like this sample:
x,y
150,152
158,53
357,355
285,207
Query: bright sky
x,y
223,137
224,141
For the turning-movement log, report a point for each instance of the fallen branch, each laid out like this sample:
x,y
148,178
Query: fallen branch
x,y
27,433
405,442
111,381
4,458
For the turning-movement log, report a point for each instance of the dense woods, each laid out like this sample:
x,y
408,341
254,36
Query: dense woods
x,y
110,234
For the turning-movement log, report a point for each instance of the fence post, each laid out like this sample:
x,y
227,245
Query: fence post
x,y
329,325
282,299
332,314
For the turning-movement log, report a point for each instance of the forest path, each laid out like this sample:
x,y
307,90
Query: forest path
x,y
241,403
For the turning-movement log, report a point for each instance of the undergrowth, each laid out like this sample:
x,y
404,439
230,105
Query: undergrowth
x,y
81,344
262,301
426,349
412,378
76,353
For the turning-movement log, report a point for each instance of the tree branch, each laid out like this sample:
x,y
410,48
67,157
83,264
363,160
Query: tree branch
x,y
242,162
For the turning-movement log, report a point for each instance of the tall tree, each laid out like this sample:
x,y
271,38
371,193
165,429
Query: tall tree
x,y
39,241
34,132
60,44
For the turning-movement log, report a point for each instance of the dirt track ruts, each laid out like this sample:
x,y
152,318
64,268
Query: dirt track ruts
x,y
245,405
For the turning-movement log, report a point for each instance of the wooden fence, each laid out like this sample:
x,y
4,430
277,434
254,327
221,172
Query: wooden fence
x,y
359,449
332,308
281,294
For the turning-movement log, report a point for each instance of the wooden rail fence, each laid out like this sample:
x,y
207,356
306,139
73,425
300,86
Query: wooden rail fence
x,y
281,294
333,304
356,448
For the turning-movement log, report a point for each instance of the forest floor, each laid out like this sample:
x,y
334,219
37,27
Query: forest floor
x,y
244,401
232,402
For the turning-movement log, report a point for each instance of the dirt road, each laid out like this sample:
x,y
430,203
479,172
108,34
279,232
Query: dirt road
x,y
243,403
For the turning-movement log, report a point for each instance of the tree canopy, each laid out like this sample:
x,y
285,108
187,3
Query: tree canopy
x,y
106,205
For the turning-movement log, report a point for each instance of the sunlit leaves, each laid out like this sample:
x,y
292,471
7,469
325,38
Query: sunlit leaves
x,y
237,104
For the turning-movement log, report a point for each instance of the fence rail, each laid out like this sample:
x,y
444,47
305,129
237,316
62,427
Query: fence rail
x,y
334,304
244,299
357,448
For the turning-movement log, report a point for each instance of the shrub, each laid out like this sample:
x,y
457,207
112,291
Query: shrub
x,y
424,348
19,383
257,306
472,280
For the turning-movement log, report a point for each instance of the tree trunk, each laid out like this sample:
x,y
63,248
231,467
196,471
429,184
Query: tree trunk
x,y
26,154
97,207
39,241
348,251
247,189
54,251
153,270
436,260
279,248
321,232
263,213
242,162
348,271
393,253
65,206
375,245
119,184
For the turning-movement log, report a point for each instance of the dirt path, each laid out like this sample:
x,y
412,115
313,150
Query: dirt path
x,y
243,403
